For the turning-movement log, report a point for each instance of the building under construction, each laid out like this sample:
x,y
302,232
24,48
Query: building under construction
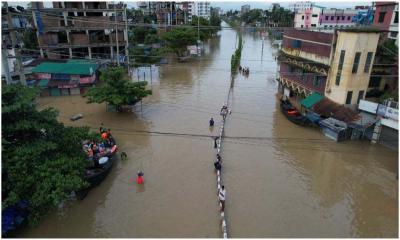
x,y
81,30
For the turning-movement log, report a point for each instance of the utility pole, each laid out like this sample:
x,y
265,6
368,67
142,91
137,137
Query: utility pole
x,y
127,42
16,47
116,32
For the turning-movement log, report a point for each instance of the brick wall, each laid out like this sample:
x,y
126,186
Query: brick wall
x,y
79,38
309,47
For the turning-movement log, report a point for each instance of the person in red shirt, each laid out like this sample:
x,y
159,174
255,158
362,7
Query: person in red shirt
x,y
139,179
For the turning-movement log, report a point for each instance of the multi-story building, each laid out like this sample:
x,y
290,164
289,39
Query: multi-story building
x,y
387,18
336,65
216,11
245,9
200,9
308,18
300,6
336,18
81,29
320,17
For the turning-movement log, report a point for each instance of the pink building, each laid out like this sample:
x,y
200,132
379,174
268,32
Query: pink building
x,y
336,18
386,18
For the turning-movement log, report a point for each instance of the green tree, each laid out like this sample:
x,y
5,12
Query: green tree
x,y
117,89
146,55
30,39
179,38
42,160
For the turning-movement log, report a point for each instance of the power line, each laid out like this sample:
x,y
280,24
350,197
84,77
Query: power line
x,y
225,70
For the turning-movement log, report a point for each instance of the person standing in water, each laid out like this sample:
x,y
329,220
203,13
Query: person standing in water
x,y
211,122
222,194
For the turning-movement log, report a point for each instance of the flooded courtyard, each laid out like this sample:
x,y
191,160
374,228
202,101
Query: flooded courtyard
x,y
282,180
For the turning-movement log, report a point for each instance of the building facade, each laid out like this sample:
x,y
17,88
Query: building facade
x,y
386,18
336,18
201,9
336,65
300,6
308,18
81,29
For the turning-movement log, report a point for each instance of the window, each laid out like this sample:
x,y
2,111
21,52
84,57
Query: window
x,y
290,69
317,81
326,18
349,96
296,43
348,18
381,17
330,26
374,82
301,26
332,17
315,15
302,17
368,62
396,17
393,34
313,25
339,72
360,96
307,17
325,26
337,18
343,17
356,62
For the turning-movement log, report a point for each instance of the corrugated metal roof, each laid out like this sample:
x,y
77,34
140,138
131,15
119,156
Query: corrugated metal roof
x,y
80,67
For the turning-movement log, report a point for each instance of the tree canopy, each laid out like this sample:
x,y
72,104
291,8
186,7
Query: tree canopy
x,y
117,89
179,38
42,160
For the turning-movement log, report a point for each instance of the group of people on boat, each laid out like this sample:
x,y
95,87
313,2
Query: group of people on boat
x,y
98,149
244,70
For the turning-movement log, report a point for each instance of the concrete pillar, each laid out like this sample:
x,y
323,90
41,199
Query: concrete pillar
x,y
70,52
90,52
112,53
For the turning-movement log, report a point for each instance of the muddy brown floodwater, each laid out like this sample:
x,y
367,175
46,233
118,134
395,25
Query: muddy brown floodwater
x,y
282,180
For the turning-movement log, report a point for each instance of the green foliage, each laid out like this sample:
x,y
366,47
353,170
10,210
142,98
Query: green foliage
x,y
179,38
42,160
252,16
207,27
388,95
235,59
146,55
30,39
117,89
139,34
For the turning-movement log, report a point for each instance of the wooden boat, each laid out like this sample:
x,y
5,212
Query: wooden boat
x,y
95,175
293,115
76,117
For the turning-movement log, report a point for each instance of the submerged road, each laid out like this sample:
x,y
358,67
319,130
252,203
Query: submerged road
x,y
282,180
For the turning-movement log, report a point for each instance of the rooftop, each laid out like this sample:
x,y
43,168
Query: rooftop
x,y
75,67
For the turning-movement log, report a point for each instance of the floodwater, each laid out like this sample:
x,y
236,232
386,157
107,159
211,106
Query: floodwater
x,y
282,180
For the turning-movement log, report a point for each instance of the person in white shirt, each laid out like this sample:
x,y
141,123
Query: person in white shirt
x,y
222,195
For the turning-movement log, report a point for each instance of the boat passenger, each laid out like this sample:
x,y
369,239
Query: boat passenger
x,y
104,135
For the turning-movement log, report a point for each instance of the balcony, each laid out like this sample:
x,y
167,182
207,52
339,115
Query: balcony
x,y
313,82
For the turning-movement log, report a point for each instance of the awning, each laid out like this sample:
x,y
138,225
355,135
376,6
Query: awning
x,y
309,101
43,83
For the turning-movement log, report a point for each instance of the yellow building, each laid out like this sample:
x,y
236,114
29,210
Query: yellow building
x,y
351,63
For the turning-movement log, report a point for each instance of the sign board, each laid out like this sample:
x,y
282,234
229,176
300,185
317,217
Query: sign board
x,y
392,113
368,106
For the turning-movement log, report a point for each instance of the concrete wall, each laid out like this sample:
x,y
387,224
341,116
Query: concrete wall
x,y
351,42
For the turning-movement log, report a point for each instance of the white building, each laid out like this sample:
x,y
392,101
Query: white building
x,y
201,9
244,9
300,6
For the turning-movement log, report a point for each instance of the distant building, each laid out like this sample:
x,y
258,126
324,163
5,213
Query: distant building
x,y
245,9
308,18
201,9
336,18
387,18
300,6
320,17
337,65
216,11
274,6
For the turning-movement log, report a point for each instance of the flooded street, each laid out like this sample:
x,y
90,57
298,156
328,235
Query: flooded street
x,y
282,180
